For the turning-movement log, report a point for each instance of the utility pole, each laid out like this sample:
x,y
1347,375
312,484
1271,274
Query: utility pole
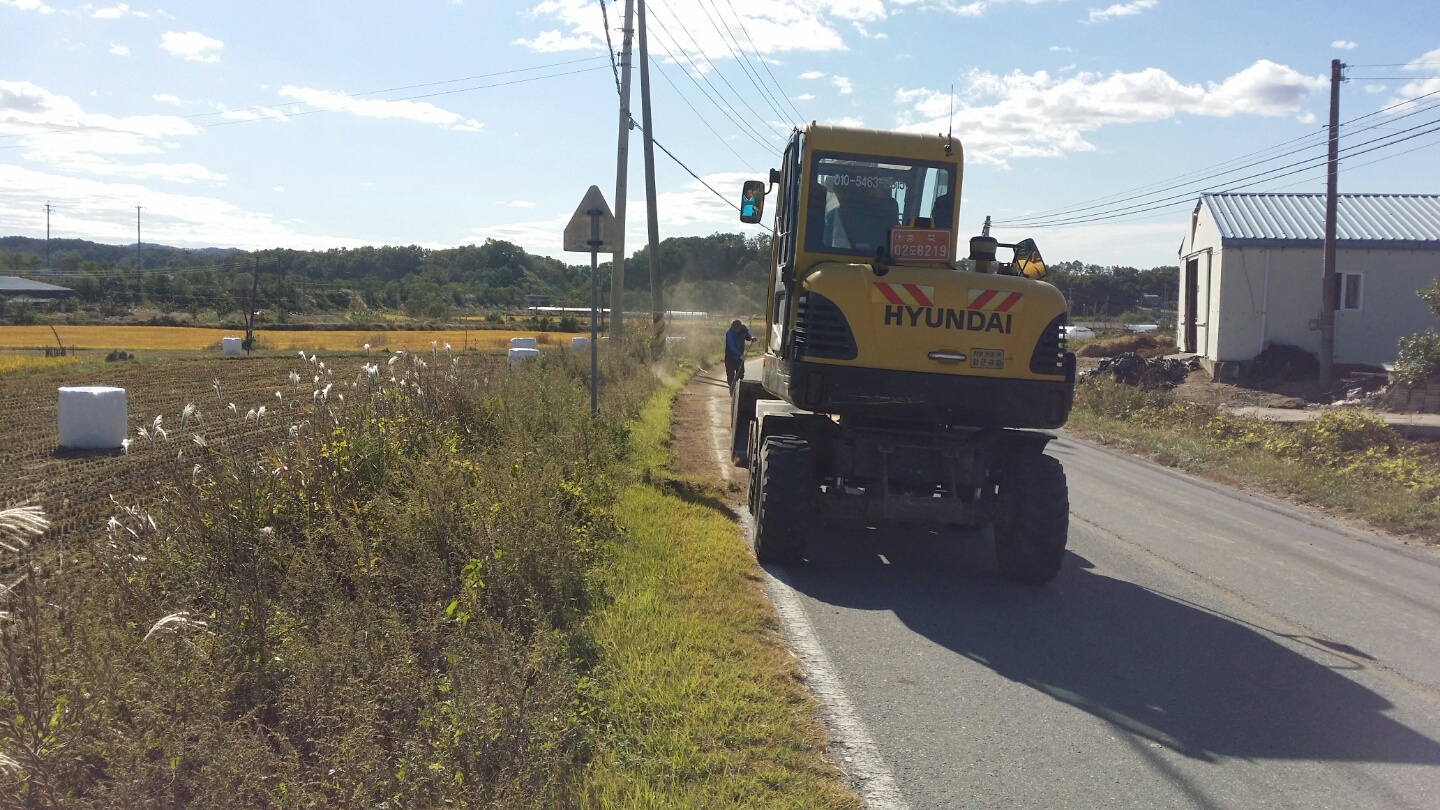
x,y
250,308
652,215
139,274
47,237
622,177
1328,278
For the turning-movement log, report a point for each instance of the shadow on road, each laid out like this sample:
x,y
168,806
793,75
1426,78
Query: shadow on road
x,y
1202,684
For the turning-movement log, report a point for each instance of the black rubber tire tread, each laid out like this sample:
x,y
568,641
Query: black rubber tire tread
x,y
1031,535
782,510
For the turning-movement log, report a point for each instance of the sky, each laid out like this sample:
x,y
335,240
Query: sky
x,y
1091,127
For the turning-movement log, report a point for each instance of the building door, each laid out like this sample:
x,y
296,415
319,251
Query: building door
x,y
1192,310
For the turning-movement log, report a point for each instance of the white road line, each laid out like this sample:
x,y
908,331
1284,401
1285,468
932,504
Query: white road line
x,y
719,432
855,750
883,560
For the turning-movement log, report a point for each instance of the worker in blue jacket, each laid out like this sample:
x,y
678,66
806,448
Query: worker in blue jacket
x,y
735,339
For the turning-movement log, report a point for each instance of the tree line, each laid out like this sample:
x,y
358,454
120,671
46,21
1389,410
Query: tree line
x,y
723,272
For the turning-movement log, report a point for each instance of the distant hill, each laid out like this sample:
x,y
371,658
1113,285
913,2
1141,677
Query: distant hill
x,y
75,252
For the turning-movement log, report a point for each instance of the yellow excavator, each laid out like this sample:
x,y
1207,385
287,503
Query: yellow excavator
x,y
900,384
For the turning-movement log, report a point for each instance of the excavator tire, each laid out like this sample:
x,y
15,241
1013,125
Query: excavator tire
x,y
1032,530
782,502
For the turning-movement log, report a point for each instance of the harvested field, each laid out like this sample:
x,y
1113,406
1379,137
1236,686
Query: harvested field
x,y
131,338
75,487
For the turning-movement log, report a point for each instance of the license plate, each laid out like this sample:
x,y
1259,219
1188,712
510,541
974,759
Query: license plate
x,y
920,244
987,358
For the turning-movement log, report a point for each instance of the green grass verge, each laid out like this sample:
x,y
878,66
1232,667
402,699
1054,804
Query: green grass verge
x,y
697,700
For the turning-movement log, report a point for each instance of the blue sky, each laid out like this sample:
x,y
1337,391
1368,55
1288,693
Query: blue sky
x,y
259,124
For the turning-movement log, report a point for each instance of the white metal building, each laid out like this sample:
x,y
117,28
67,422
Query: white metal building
x,y
1251,268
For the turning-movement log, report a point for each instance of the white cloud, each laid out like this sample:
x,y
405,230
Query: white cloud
x,y
689,27
1120,10
192,46
104,211
517,204
166,98
1426,62
812,74
279,189
1372,89
847,121
1022,115
57,131
28,5
1060,49
805,97
1344,45
420,111
115,12
843,85
119,50
554,42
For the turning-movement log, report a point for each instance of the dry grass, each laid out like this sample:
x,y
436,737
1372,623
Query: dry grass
x,y
1146,344
184,338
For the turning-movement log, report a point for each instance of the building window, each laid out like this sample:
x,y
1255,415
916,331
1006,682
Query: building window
x,y
1349,292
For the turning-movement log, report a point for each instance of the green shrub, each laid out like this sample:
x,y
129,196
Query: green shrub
x,y
1418,359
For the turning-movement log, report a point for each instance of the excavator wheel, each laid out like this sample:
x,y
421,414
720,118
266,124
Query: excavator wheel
x,y
1032,530
783,493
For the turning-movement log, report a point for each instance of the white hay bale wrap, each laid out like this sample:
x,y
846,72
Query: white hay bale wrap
x,y
232,346
92,417
523,343
521,355
579,343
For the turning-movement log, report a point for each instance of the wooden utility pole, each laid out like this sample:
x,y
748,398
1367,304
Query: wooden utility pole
x,y
1329,287
48,268
250,309
139,274
622,177
657,312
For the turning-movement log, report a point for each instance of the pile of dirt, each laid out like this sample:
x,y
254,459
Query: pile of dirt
x,y
1145,345
1284,362
1151,373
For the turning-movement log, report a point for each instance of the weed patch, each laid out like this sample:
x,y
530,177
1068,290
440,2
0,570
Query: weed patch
x,y
1345,460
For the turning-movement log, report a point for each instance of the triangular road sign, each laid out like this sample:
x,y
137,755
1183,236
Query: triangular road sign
x,y
578,232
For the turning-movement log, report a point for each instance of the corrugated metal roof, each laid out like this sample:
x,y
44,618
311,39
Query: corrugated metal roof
x,y
15,284
1399,219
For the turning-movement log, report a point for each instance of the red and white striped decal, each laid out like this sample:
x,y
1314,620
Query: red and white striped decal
x,y
914,295
995,301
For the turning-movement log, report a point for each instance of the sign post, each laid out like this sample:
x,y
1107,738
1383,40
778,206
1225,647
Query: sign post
x,y
593,230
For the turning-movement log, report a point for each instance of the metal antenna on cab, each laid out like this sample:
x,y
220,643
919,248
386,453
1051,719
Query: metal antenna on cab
x,y
950,135
985,230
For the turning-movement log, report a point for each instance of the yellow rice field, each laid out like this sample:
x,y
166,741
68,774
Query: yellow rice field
x,y
160,338
10,363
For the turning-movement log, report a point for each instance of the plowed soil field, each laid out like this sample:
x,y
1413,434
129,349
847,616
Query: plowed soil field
x,y
75,487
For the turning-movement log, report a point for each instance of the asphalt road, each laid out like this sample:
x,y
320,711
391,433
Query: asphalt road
x,y
1202,648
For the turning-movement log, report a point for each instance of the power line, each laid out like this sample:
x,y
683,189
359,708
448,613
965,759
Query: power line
x,y
353,95
799,116
610,46
703,120
725,108
687,169
681,25
743,59
1306,165
1205,174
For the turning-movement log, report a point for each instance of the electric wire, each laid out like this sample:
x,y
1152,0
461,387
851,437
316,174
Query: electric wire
x,y
261,107
1202,175
799,116
713,94
687,169
610,46
664,75
743,60
1306,165
716,68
